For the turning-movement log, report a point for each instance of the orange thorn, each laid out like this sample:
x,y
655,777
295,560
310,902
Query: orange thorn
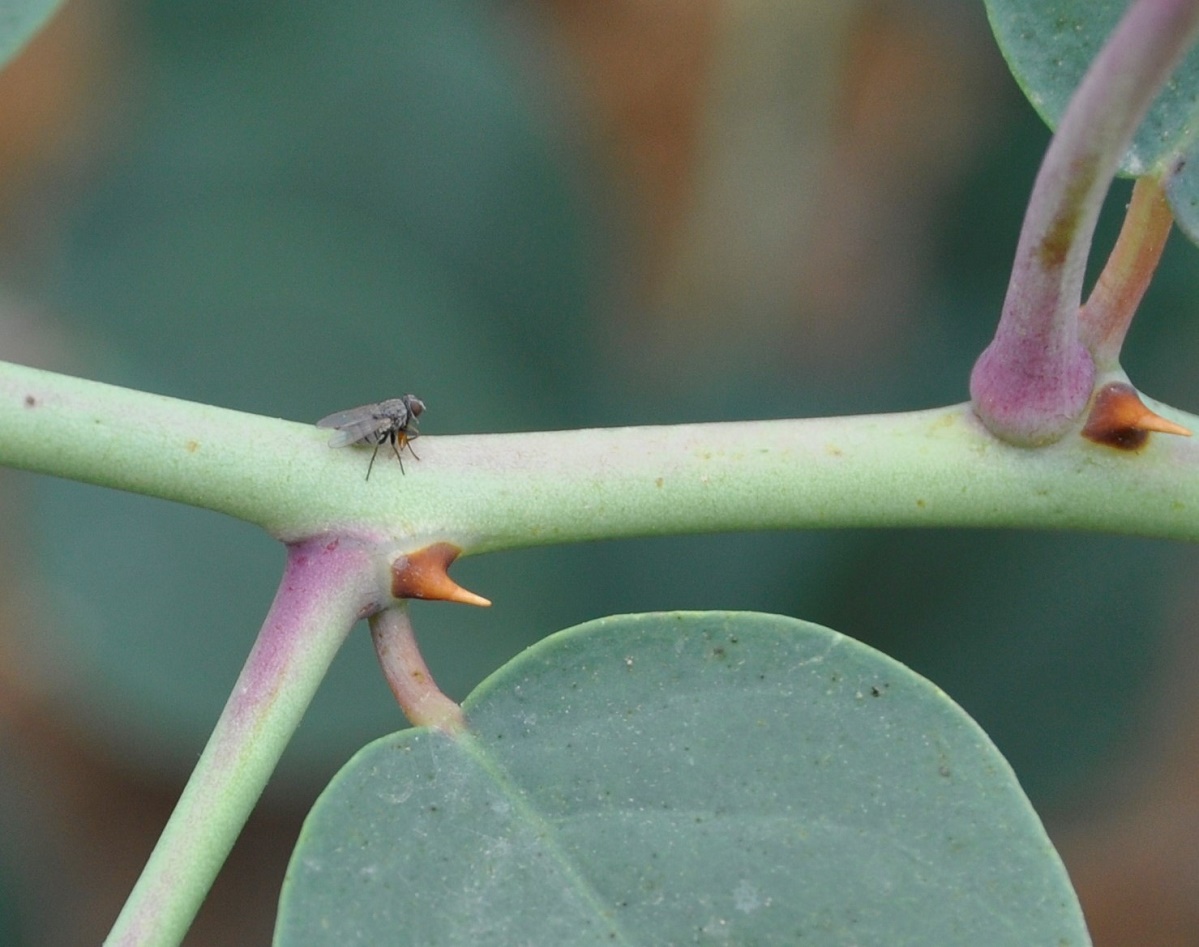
x,y
422,574
1120,419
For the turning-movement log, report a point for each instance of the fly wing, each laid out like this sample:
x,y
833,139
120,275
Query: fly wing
x,y
340,419
353,435
354,425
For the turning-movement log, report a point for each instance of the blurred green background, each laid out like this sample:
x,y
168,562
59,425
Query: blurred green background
x,y
542,214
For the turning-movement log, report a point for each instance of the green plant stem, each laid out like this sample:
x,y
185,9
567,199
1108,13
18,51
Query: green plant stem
x,y
938,467
326,587
1034,380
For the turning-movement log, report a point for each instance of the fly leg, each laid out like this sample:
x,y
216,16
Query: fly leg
x,y
393,436
374,453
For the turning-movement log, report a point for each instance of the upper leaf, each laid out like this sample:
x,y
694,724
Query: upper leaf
x,y
1049,44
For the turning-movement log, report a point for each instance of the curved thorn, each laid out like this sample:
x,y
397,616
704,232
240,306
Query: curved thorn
x,y
1120,419
422,574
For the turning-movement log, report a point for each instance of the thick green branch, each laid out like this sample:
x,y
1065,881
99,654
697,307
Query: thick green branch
x,y
487,492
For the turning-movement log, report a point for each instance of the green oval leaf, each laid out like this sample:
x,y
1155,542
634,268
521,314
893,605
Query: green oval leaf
x,y
684,778
19,20
1049,44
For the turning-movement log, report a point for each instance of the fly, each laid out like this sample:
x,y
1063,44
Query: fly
x,y
392,421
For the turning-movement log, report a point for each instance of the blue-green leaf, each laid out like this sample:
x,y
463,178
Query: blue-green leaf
x,y
684,778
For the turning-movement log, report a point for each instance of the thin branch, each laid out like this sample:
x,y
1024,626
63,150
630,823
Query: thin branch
x,y
326,587
407,674
1104,320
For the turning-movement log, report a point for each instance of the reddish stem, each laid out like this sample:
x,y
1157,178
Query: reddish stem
x,y
1104,320
408,676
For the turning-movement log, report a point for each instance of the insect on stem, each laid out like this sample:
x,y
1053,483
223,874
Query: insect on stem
x,y
392,421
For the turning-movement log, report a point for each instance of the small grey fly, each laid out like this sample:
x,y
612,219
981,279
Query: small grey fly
x,y
392,421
